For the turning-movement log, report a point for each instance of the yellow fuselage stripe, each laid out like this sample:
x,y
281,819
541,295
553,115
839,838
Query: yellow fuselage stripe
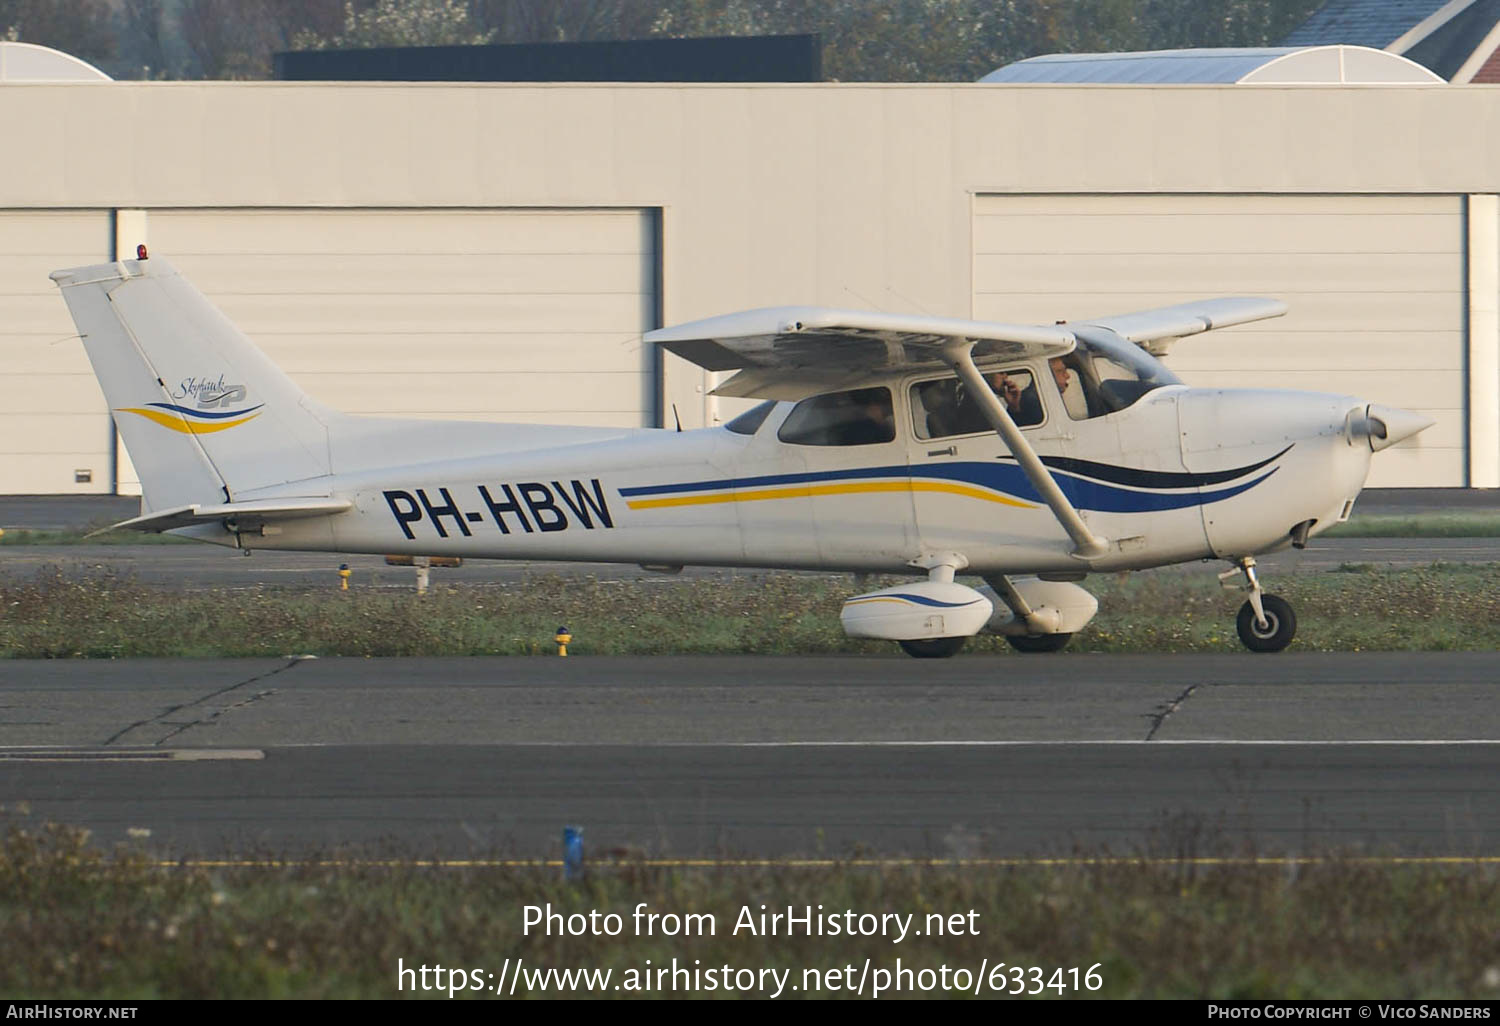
x,y
177,422
809,491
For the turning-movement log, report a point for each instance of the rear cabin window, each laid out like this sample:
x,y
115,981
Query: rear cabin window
x,y
750,421
863,416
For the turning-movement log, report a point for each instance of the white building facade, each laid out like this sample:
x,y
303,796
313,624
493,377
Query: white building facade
x,y
494,251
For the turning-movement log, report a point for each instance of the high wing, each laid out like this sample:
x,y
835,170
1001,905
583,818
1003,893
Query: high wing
x,y
250,515
1156,330
791,352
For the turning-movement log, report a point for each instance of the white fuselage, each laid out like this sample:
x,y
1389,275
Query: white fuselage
x,y
1183,474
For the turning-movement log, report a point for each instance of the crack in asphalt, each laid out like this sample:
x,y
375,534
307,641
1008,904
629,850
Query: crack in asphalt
x,y
1160,717
161,717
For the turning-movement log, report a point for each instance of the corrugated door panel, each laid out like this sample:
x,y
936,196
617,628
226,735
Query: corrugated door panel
x,y
53,420
524,315
1375,284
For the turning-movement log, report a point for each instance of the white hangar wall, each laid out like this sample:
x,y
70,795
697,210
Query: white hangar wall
x,y
1376,286
528,315
55,434
379,239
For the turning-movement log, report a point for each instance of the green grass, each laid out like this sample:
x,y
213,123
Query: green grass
x,y
82,922
59,614
1468,524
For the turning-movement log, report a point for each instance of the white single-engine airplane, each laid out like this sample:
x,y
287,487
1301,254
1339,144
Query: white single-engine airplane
x,y
1030,456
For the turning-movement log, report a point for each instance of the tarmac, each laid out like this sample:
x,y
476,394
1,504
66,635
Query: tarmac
x,y
696,757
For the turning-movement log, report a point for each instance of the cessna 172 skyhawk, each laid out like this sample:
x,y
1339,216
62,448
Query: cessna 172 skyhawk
x,y
1029,456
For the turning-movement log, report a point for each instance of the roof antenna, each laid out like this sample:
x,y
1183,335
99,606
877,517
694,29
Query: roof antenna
x,y
677,418
862,299
908,300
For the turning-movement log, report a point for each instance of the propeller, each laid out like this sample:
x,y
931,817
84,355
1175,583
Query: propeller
x,y
1384,426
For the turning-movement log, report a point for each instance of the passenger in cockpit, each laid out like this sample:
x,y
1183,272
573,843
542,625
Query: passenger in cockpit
x,y
1021,400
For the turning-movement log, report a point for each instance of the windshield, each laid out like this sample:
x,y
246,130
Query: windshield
x,y
1106,374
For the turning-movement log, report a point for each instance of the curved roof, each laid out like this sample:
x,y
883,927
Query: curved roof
x,y
27,62
1283,65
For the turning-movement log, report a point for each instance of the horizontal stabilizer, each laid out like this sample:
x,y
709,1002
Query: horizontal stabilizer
x,y
245,515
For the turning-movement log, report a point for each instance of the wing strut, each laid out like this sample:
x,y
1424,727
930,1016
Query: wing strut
x,y
1087,544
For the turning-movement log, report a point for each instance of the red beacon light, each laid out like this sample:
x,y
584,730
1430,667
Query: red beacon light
x,y
140,252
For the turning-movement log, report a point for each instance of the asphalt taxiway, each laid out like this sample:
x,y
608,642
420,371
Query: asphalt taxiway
x,y
688,756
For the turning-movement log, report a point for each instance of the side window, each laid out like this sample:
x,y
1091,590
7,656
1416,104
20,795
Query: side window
x,y
750,421
1077,385
861,417
942,408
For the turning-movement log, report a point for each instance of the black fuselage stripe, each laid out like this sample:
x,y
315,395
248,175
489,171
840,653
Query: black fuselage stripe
x,y
1150,478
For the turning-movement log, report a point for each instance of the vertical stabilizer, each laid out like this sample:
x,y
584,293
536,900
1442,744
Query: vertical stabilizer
x,y
205,415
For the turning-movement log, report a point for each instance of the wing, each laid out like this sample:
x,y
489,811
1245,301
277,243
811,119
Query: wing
x,y
791,352
1156,330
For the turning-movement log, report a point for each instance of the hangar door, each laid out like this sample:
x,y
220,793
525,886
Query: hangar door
x,y
1375,285
502,315
55,435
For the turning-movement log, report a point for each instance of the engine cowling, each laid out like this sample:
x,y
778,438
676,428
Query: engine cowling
x,y
910,612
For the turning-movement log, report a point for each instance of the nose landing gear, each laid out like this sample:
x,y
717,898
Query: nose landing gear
x,y
1266,623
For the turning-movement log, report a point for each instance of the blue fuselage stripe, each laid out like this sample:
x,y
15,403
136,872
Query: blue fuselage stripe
x,y
918,599
1001,477
186,412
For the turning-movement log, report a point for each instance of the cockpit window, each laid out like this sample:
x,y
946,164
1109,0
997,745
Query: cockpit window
x,y
943,408
860,417
750,421
1103,376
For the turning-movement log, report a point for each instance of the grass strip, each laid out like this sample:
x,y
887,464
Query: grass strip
x,y
1467,524
83,922
91,614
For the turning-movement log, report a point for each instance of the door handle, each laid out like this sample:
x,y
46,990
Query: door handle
x,y
952,450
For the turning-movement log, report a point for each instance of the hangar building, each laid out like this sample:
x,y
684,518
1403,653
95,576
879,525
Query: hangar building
x,y
494,251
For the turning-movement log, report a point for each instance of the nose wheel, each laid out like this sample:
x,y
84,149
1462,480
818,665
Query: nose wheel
x,y
1266,623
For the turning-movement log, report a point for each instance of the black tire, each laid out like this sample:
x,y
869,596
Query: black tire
x,y
932,648
1281,625
1039,642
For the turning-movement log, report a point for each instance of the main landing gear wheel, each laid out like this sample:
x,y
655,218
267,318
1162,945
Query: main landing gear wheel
x,y
932,648
1039,642
1280,627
